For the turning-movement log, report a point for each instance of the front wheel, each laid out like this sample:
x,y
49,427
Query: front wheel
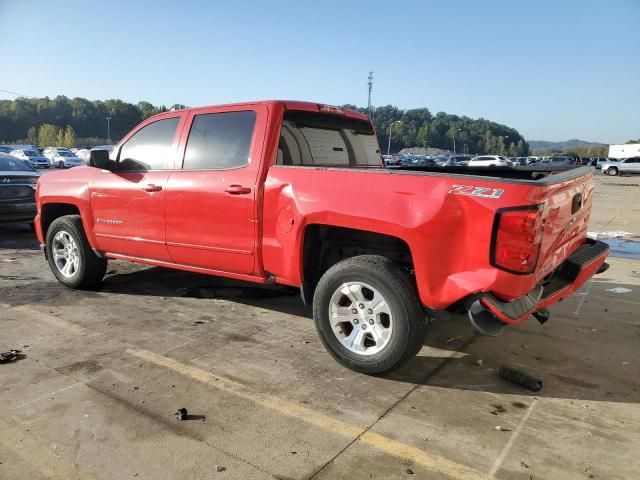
x,y
366,312
612,171
70,257
61,164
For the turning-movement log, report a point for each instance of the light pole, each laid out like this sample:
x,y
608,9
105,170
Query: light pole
x,y
390,127
109,129
454,139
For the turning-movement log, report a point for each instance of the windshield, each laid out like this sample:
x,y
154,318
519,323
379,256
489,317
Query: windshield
x,y
30,153
329,140
66,154
12,165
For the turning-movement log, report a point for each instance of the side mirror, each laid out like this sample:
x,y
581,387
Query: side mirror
x,y
99,158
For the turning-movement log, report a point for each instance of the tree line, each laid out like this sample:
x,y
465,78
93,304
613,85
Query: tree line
x,y
419,128
78,121
64,121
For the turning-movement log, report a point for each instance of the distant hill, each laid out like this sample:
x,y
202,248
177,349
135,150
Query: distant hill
x,y
574,142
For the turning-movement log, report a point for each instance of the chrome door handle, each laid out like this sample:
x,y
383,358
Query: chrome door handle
x,y
152,188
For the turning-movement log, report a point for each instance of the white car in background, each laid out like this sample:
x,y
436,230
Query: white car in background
x,y
31,158
83,153
489,161
65,159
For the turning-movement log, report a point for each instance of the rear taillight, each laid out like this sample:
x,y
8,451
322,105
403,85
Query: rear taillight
x,y
516,239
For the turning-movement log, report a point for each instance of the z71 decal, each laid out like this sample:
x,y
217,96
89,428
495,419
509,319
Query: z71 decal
x,y
476,191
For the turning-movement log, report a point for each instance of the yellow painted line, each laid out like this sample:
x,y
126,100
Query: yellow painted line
x,y
36,455
387,445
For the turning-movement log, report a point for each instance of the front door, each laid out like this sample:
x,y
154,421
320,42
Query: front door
x,y
128,202
211,210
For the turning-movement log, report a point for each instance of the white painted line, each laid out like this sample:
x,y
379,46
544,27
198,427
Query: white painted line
x,y
48,395
507,448
583,297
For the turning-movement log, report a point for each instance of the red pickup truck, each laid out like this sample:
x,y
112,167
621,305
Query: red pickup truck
x,y
295,193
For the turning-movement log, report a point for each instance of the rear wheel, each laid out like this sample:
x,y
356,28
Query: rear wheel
x,y
612,171
367,314
70,257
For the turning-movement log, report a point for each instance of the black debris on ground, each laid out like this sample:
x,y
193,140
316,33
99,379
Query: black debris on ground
x,y
520,378
11,356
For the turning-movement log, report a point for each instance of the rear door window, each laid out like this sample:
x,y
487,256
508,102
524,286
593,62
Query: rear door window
x,y
220,141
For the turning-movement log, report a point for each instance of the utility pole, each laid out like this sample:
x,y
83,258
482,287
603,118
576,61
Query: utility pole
x,y
389,145
370,87
109,128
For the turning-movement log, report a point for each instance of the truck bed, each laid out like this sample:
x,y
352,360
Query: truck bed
x,y
539,175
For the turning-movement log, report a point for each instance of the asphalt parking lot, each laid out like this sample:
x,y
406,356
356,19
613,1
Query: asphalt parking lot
x,y
104,372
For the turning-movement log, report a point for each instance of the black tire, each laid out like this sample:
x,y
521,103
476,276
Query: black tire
x,y
60,164
409,319
91,269
612,171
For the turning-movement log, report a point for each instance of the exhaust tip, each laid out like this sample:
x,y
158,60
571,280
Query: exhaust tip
x,y
484,321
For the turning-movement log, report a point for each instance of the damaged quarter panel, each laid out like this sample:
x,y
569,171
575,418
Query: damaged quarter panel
x,y
448,233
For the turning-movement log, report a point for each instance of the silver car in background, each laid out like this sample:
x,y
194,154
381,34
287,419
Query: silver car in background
x,y
31,158
625,165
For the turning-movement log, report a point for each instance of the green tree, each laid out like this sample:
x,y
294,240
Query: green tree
x,y
47,135
32,135
60,138
423,135
69,139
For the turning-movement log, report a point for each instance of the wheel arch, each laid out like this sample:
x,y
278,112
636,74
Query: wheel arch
x,y
325,245
50,211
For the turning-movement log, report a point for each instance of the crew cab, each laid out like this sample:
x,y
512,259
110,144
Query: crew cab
x,y
296,194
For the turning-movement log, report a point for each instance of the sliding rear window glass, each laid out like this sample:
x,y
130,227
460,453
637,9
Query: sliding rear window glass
x,y
317,139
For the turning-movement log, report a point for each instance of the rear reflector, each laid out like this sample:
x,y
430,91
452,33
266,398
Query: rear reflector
x,y
330,109
516,239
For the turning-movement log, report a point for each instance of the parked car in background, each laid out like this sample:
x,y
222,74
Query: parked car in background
x,y
6,149
626,165
520,161
575,160
599,161
49,152
66,159
31,158
490,161
83,153
562,162
17,190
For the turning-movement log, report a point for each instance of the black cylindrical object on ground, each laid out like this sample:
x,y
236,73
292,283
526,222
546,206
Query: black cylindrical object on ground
x,y
516,376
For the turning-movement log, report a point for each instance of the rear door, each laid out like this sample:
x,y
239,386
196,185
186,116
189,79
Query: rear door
x,y
211,201
128,203
632,165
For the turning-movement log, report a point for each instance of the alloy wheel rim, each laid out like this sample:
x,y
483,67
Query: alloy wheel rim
x,y
360,318
66,256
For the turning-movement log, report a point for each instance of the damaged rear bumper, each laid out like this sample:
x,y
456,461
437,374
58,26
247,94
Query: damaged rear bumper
x,y
490,314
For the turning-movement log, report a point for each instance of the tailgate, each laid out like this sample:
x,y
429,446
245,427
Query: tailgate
x,y
567,207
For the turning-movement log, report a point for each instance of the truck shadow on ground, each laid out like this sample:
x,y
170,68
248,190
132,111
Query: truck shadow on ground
x,y
454,354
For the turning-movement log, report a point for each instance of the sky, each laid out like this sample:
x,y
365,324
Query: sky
x,y
554,70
